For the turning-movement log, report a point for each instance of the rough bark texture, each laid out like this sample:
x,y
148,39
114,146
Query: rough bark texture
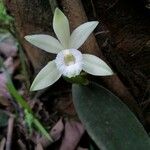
x,y
128,49
31,17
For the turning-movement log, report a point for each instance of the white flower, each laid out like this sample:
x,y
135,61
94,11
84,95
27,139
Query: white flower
x,y
69,61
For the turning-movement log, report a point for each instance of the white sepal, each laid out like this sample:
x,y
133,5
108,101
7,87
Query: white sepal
x,y
45,42
61,27
81,33
46,77
95,66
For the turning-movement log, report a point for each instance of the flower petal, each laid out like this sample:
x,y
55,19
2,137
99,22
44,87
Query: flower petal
x,y
81,33
95,66
46,77
45,42
61,27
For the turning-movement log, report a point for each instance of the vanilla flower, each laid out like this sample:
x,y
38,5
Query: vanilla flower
x,y
69,61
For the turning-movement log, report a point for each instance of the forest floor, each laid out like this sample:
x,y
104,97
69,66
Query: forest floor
x,y
123,35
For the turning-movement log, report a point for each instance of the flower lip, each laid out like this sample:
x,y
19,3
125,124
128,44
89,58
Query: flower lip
x,y
69,58
69,62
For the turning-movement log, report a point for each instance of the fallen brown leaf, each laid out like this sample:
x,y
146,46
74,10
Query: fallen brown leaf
x,y
56,131
73,133
39,147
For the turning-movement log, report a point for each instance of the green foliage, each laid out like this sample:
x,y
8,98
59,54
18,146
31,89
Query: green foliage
x,y
30,119
108,121
4,17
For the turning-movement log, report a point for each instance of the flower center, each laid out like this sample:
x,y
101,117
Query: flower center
x,y
69,62
69,59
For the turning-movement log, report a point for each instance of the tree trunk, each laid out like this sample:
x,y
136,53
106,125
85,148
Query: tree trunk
x,y
120,27
32,17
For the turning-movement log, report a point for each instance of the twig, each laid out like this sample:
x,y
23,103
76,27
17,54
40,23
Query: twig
x,y
2,144
112,5
10,132
21,145
101,32
94,11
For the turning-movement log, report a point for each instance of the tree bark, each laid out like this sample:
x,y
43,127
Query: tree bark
x,y
32,17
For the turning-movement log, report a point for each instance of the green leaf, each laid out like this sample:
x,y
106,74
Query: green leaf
x,y
29,120
14,93
61,27
32,120
81,33
45,42
4,17
108,121
95,66
39,126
